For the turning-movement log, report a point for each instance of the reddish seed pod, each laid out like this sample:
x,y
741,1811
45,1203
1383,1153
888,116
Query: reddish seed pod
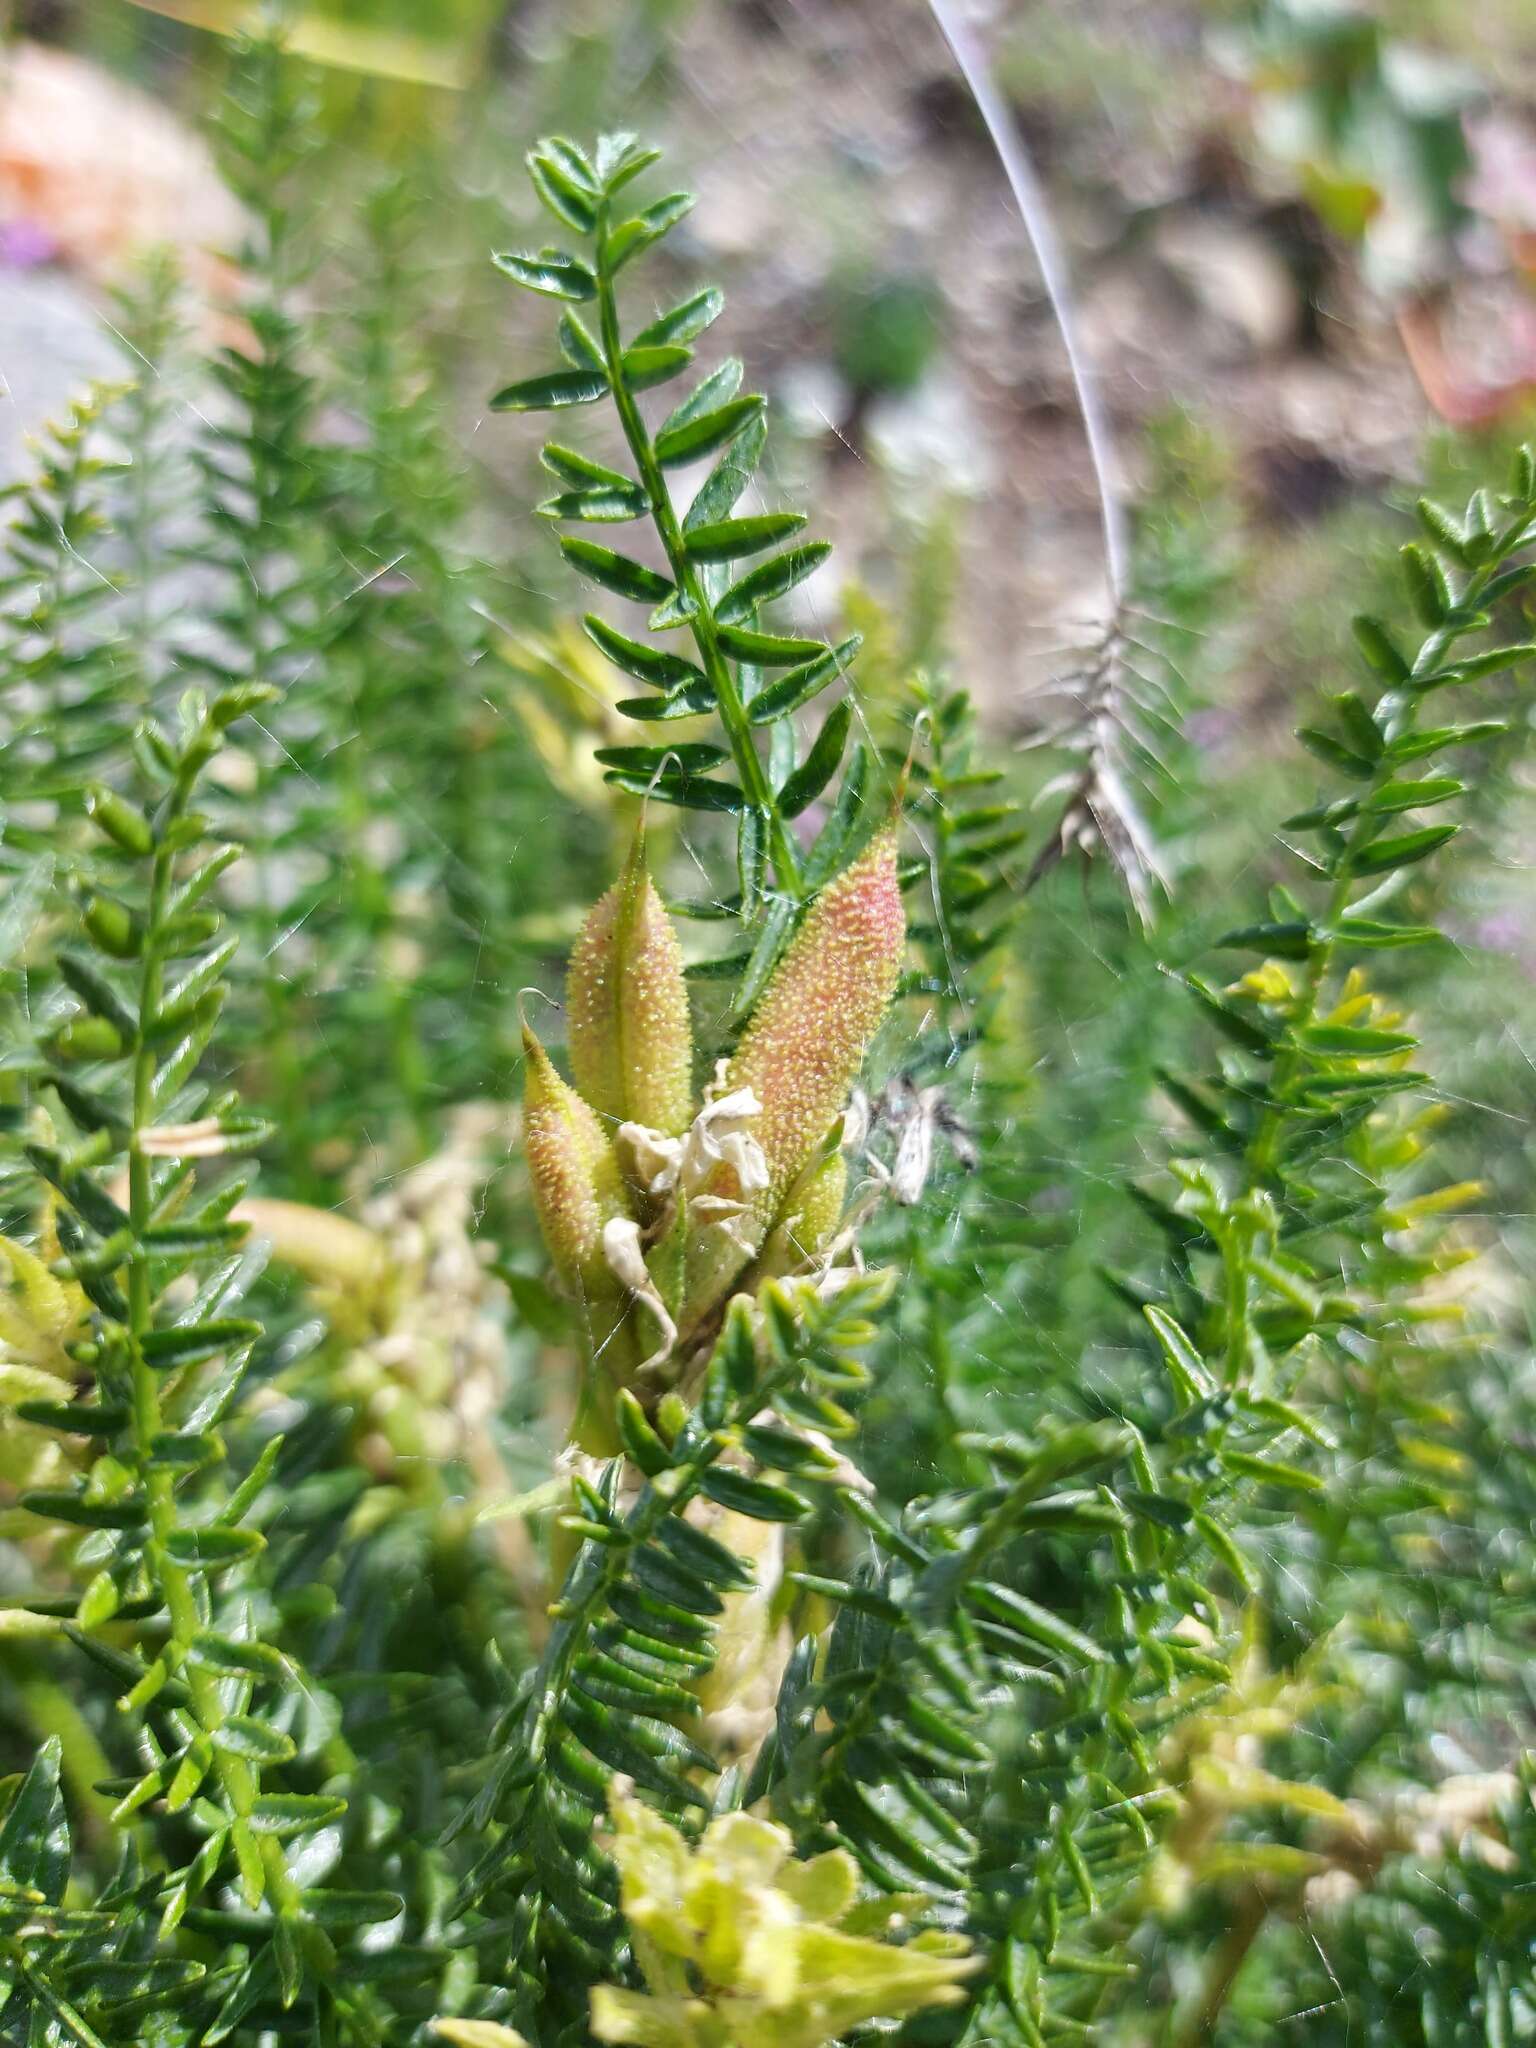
x,y
808,1037
802,1052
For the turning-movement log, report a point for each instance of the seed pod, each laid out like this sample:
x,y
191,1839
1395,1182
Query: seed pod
x,y
578,1190
808,1221
577,1187
806,1042
122,823
631,1041
809,1034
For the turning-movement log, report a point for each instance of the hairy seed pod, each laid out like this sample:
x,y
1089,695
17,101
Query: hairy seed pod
x,y
808,1220
803,1049
577,1187
631,1041
578,1191
808,1035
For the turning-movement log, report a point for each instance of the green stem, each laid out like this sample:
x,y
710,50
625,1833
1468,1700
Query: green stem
x,y
1226,1968
585,1597
236,1777
733,716
1234,1256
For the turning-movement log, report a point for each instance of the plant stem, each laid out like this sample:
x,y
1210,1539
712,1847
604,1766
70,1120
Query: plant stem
x,y
733,715
235,1775
1226,1967
578,1608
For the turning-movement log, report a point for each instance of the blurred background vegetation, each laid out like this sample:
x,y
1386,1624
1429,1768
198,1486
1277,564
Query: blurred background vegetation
x,y
1302,238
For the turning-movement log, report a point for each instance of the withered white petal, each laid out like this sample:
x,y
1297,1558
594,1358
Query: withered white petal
x,y
856,1122
655,1158
626,1261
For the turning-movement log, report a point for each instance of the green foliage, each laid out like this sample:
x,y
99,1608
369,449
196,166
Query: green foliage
x,y
68,679
752,679
1376,144
936,1605
635,1628
889,333
1309,1251
158,1351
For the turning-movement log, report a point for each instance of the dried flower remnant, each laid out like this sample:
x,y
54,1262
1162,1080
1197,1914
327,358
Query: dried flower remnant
x,y
625,1257
722,1137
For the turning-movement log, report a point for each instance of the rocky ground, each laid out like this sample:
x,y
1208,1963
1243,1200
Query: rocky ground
x,y
883,284
883,287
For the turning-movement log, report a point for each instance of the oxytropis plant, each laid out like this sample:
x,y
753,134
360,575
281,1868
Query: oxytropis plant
x,y
657,1210
988,1726
656,1207
703,1237
1065,1735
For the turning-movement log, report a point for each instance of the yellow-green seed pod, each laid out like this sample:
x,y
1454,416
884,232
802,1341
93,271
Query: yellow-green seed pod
x,y
577,1190
808,1221
577,1187
630,1036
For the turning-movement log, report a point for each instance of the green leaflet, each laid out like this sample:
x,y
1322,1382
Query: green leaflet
x,y
554,275
551,392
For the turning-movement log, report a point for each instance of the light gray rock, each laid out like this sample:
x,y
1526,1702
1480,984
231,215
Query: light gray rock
x,y
52,345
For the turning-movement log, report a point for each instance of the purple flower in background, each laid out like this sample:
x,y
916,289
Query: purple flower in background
x,y
25,245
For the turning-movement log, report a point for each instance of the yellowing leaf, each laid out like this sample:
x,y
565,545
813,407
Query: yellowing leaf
x,y
343,45
740,1944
